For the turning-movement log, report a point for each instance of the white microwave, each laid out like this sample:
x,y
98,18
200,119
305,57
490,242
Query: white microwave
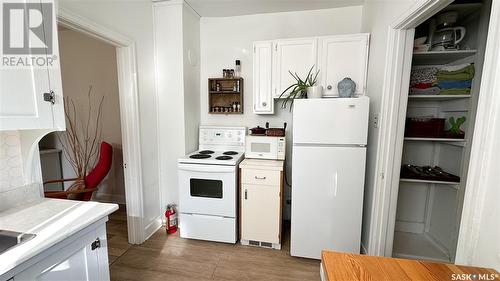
x,y
265,147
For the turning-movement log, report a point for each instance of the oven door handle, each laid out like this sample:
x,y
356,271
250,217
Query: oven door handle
x,y
207,168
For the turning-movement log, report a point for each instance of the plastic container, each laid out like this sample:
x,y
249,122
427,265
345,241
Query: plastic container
x,y
424,127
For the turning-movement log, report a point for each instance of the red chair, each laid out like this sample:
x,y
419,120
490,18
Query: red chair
x,y
84,188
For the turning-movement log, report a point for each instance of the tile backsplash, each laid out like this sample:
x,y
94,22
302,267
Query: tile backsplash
x,y
11,162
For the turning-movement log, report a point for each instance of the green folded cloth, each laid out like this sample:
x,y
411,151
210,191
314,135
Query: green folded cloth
x,y
466,73
455,91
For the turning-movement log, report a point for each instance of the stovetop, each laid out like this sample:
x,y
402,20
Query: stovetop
x,y
213,157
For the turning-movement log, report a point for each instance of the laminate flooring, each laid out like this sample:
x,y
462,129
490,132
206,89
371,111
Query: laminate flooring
x,y
169,257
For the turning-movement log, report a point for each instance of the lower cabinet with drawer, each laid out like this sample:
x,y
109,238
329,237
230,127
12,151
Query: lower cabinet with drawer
x,y
261,189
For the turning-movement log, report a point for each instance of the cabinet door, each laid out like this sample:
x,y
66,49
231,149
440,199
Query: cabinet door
x,y
263,102
260,215
327,199
343,56
77,261
296,56
33,70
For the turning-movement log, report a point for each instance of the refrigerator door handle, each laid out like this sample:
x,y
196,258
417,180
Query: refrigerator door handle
x,y
335,184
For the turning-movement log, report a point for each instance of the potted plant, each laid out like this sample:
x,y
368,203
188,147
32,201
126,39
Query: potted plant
x,y
301,88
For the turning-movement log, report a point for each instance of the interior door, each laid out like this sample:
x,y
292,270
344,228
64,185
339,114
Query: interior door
x,y
294,55
26,78
260,213
327,199
262,78
343,56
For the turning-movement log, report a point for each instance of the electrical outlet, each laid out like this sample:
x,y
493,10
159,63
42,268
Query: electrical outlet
x,y
375,121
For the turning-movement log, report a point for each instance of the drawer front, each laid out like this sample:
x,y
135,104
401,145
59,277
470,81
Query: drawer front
x,y
260,177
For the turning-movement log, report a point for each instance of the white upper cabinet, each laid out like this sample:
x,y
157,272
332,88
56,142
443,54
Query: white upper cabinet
x,y
262,78
296,56
336,57
343,56
33,71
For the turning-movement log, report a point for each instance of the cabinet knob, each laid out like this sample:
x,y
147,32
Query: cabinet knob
x,y
329,87
264,103
246,194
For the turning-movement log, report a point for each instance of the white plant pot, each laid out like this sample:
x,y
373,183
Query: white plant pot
x,y
314,92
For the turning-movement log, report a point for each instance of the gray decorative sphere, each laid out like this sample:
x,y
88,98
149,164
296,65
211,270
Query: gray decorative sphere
x,y
346,88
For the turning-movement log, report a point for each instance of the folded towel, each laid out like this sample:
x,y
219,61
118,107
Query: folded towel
x,y
455,84
423,75
454,92
428,91
422,85
453,67
466,73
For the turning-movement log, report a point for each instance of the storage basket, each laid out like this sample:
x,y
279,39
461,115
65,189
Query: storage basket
x,y
424,127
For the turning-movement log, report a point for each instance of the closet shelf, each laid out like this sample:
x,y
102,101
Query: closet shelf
x,y
454,184
440,57
438,97
456,142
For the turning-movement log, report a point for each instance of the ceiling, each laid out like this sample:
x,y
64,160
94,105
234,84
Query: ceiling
x,y
225,8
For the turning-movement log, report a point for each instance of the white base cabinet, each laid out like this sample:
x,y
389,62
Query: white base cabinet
x,y
261,202
81,257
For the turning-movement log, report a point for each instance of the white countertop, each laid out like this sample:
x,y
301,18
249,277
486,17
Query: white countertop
x,y
262,164
52,220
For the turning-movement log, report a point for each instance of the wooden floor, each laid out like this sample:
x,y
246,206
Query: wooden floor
x,y
170,257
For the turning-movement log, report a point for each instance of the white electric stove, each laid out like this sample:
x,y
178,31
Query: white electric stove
x,y
208,185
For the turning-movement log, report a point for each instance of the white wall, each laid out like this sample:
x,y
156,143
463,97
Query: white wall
x,y
225,39
134,19
177,52
86,62
377,16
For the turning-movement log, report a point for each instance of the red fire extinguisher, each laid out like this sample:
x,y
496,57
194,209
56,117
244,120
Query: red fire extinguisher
x,y
171,216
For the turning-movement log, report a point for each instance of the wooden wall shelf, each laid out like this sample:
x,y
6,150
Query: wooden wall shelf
x,y
223,94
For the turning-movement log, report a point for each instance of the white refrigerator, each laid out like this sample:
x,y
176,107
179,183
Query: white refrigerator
x,y
328,175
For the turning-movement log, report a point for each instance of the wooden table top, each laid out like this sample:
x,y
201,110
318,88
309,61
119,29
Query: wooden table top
x,y
345,266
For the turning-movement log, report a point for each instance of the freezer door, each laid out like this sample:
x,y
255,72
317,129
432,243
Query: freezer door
x,y
327,199
331,121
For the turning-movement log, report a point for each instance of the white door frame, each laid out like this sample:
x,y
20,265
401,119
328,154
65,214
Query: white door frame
x,y
129,114
391,137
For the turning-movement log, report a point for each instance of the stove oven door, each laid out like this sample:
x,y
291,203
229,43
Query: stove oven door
x,y
207,190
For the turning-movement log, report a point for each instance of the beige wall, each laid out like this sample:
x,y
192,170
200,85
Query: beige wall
x,y
89,62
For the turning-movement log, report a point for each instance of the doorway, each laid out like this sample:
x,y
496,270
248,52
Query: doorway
x,y
92,107
126,58
392,141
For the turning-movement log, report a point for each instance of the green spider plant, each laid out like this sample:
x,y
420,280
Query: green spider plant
x,y
298,90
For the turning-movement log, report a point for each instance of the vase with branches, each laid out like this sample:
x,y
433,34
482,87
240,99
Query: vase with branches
x,y
298,90
80,141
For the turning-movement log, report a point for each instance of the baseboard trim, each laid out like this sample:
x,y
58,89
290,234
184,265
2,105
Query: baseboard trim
x,y
152,227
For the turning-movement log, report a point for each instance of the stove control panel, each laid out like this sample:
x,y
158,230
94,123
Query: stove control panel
x,y
222,136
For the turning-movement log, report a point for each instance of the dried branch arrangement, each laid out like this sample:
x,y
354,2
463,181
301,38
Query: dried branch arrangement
x,y
82,137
